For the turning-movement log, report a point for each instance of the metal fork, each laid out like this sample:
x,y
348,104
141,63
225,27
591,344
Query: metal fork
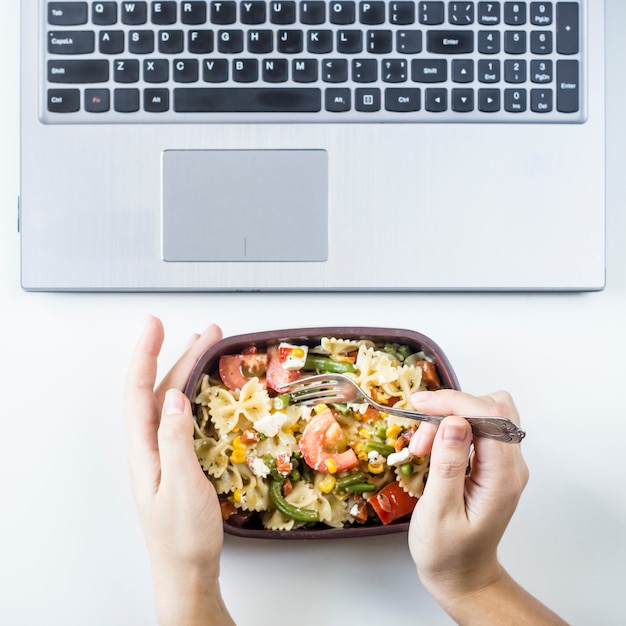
x,y
337,388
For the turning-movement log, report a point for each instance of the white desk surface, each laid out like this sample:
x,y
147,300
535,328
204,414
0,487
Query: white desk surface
x,y
71,552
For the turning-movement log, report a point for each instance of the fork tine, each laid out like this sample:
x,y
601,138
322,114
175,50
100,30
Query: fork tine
x,y
314,389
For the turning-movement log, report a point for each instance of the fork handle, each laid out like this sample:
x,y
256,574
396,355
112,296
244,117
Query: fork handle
x,y
500,428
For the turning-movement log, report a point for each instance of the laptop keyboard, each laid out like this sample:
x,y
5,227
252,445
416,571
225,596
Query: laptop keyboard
x,y
257,61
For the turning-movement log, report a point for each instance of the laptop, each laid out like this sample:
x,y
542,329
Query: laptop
x,y
312,146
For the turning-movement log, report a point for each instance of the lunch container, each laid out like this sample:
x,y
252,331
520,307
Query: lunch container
x,y
240,525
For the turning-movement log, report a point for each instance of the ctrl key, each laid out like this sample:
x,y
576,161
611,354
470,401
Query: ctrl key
x,y
63,100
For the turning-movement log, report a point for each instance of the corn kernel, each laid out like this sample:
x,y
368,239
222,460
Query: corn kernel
x,y
238,456
393,431
318,408
237,443
237,495
362,456
358,447
375,468
365,433
331,466
328,484
419,460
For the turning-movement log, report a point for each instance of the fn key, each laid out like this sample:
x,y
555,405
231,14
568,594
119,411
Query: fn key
x,y
568,86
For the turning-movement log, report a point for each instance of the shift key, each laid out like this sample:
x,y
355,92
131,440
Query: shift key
x,y
78,71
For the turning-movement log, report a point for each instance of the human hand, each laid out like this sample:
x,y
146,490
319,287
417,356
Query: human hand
x,y
459,521
178,507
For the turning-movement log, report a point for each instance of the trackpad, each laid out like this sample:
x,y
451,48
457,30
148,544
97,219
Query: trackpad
x,y
245,205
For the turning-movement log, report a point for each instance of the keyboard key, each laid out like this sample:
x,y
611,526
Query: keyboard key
x,y
515,100
372,13
230,41
247,99
379,41
156,70
461,13
290,41
489,100
193,13
541,71
489,41
126,70
541,13
488,13
104,13
163,13
337,99
253,12
489,71
260,41
402,100
568,86
245,70
394,70
334,70
275,70
78,71
97,100
342,13
67,14
409,41
171,41
185,70
367,99
312,13
71,42
134,13
429,70
450,41
541,42
111,41
401,13
126,100
462,100
462,70
436,100
515,71
319,41
141,41
541,100
567,28
515,41
200,41
349,41
63,100
156,100
215,71
364,70
282,12
431,13
223,13
515,13
304,70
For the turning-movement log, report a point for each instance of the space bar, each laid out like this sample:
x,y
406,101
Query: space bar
x,y
247,100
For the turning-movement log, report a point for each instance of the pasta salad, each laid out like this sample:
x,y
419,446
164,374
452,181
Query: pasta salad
x,y
279,465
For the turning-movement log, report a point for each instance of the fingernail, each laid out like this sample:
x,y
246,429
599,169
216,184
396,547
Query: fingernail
x,y
422,396
454,434
414,442
173,404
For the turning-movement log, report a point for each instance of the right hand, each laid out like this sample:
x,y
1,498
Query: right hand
x,y
460,519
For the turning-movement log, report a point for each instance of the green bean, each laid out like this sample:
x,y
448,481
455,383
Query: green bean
x,y
327,365
380,429
281,402
350,479
342,407
361,487
378,446
288,509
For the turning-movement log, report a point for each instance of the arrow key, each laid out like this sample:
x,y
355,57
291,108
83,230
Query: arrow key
x,y
462,70
489,100
462,100
436,100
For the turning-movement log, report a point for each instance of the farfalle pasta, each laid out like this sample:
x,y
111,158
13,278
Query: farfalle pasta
x,y
284,466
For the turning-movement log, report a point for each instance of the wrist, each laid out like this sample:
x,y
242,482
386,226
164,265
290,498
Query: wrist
x,y
189,596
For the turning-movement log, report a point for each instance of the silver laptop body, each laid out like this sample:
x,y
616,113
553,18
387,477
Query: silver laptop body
x,y
189,196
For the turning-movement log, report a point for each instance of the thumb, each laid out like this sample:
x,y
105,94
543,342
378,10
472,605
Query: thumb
x,y
448,463
175,437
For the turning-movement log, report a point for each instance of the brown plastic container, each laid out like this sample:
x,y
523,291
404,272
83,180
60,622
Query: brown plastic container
x,y
208,363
